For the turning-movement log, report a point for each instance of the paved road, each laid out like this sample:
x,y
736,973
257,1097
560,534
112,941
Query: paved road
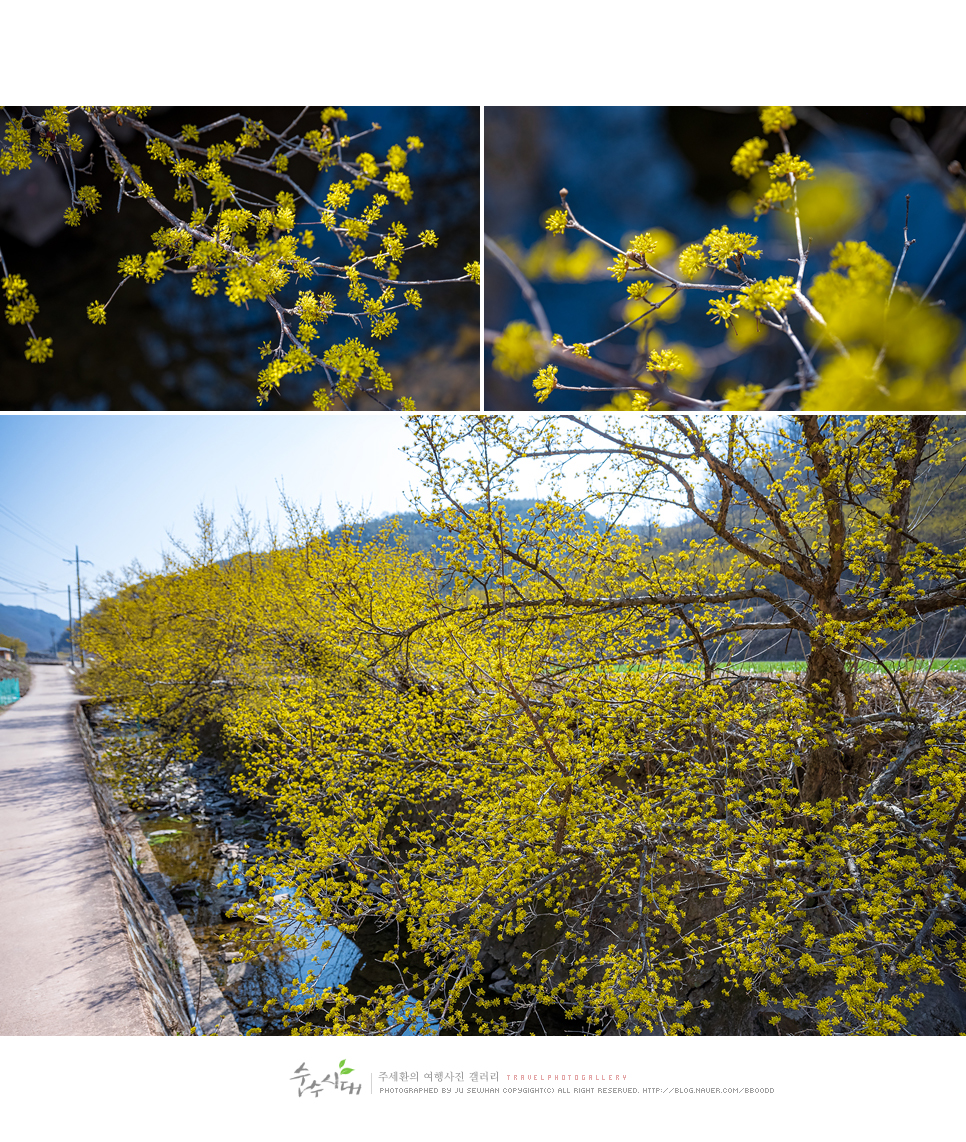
x,y
64,963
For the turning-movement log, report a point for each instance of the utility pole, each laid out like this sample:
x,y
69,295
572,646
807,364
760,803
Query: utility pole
x,y
70,625
77,561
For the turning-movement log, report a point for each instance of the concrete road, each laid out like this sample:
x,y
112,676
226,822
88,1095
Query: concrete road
x,y
64,963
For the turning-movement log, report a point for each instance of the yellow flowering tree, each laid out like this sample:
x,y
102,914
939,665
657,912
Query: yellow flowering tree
x,y
222,227
861,336
526,774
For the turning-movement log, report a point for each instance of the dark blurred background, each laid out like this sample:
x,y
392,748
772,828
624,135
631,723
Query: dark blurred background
x,y
630,169
165,348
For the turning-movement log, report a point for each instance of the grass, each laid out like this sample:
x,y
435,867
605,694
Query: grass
x,y
866,666
797,666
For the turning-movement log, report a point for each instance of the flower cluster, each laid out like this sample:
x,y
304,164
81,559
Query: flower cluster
x,y
545,382
855,336
519,350
721,249
776,119
748,158
772,293
664,361
556,222
234,240
21,309
744,398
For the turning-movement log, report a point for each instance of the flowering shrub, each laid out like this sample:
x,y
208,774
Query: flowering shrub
x,y
862,337
227,236
527,775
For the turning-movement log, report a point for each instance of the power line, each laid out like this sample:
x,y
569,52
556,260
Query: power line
x,y
30,527
26,539
31,588
21,595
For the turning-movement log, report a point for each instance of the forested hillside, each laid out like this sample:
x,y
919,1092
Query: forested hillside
x,y
938,506
40,630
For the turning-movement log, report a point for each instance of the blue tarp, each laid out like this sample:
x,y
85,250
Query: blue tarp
x,y
9,690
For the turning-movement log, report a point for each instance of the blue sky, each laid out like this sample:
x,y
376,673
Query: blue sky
x,y
116,485
123,486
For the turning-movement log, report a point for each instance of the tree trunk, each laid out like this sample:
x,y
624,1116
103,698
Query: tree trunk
x,y
830,692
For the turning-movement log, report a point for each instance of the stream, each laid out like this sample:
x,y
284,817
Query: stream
x,y
195,860
198,831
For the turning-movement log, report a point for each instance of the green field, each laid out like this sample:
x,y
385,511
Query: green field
x,y
866,666
797,666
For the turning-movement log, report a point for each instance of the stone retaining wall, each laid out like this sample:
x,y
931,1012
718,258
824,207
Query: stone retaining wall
x,y
177,988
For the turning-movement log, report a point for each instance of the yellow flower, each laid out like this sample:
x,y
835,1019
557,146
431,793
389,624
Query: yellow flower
x,y
785,165
771,293
39,349
643,245
23,310
664,361
556,222
692,260
744,398
722,309
515,351
398,183
723,245
619,268
775,195
14,285
158,149
130,265
90,197
776,118
545,382
203,285
748,158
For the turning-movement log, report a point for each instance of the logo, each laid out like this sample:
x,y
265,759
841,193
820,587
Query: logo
x,y
334,1081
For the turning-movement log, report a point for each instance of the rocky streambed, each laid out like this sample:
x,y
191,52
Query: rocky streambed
x,y
204,838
